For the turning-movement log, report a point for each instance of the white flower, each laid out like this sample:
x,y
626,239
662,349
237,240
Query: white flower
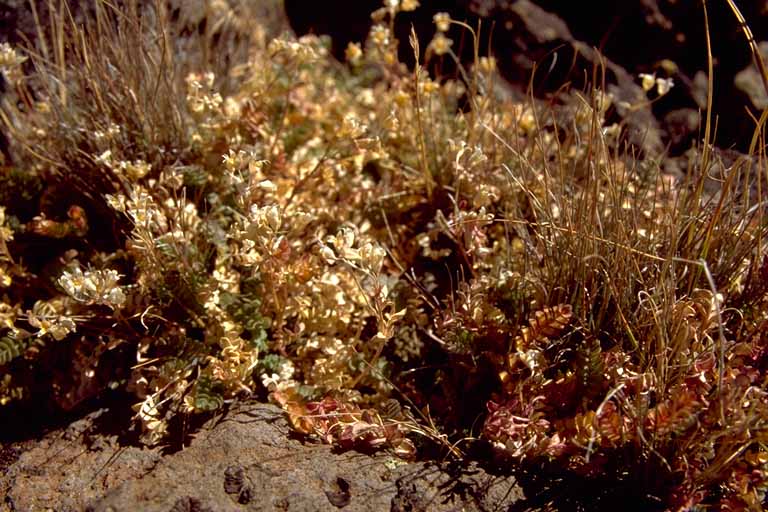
x,y
647,81
380,35
270,381
286,370
663,85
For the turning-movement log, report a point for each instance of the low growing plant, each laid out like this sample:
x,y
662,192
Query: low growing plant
x,y
392,270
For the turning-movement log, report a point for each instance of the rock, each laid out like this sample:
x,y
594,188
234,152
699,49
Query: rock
x,y
531,40
750,81
245,460
682,126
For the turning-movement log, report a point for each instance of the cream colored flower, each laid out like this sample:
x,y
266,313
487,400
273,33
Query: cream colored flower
x,y
93,287
353,53
6,234
48,320
380,35
8,56
663,85
441,44
647,81
487,64
442,20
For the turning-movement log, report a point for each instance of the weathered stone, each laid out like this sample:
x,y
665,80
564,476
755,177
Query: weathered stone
x,y
246,460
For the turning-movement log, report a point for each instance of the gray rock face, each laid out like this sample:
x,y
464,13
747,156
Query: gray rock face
x,y
245,460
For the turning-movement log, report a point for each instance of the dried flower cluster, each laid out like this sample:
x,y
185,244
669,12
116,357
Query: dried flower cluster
x,y
277,224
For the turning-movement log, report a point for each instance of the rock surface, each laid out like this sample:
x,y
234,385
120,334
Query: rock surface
x,y
243,460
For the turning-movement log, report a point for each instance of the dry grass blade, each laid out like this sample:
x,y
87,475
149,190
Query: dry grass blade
x,y
753,47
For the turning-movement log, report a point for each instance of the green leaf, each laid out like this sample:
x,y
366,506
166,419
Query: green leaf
x,y
11,348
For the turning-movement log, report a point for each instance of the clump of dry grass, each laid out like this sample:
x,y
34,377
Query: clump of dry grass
x,y
338,236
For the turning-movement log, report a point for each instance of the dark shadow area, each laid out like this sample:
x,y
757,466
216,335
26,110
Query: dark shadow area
x,y
551,486
639,36
110,414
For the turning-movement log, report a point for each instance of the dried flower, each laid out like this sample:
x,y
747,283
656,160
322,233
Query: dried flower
x,y
440,44
6,234
5,278
134,170
487,64
47,317
380,36
443,21
9,58
647,81
353,53
93,287
152,420
663,85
